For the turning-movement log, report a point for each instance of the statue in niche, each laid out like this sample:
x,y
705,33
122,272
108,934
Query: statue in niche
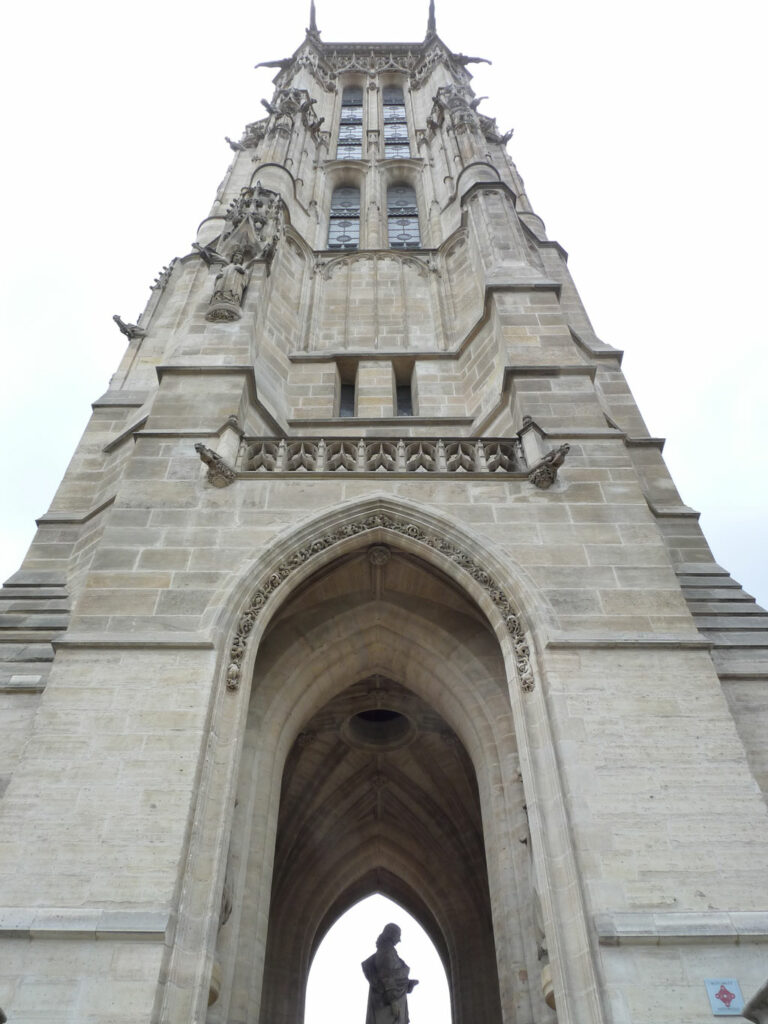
x,y
389,983
231,281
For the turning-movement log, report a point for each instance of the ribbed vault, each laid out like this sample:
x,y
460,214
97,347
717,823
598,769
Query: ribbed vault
x,y
380,707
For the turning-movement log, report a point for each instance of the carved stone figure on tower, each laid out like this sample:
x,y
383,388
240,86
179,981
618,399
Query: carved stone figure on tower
x,y
389,983
231,282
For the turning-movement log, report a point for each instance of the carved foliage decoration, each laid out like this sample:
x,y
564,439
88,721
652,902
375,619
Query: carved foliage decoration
x,y
395,524
290,106
417,65
453,102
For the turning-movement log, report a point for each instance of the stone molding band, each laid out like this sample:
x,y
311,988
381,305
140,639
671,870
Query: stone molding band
x,y
83,923
378,521
657,929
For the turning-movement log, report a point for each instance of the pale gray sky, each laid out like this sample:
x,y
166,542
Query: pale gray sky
x,y
639,128
336,978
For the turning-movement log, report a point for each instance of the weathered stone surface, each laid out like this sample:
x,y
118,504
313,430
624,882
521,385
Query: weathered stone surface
x,y
563,767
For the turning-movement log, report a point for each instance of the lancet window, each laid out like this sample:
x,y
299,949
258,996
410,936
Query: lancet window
x,y
350,144
402,217
396,142
344,222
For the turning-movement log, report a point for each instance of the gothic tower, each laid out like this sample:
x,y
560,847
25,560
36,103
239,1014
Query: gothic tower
x,y
367,576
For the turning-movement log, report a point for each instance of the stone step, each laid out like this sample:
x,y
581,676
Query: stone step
x,y
736,638
27,620
746,607
43,604
719,594
748,622
721,582
701,569
33,593
16,652
28,636
741,664
37,578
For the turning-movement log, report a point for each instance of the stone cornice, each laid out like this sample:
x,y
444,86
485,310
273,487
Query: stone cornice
x,y
143,641
665,928
83,923
73,518
638,641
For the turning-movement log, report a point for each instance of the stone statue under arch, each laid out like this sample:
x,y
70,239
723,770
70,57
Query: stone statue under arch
x,y
389,983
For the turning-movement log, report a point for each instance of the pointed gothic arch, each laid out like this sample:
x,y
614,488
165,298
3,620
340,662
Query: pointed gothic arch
x,y
377,630
271,582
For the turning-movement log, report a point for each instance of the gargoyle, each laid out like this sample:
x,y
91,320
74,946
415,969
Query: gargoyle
x,y
131,331
544,473
220,474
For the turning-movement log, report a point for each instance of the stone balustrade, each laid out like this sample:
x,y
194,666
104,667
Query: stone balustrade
x,y
382,455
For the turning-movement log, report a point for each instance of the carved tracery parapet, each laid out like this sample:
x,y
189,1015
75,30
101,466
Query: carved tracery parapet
x,y
384,455
398,525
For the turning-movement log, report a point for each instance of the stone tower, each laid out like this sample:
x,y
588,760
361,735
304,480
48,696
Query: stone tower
x,y
367,576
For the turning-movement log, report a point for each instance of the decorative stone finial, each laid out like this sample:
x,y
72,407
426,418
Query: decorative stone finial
x,y
312,19
431,22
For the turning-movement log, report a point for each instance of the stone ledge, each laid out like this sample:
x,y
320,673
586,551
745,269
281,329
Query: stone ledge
x,y
394,422
121,399
23,684
83,923
73,518
673,511
635,640
145,641
37,578
657,929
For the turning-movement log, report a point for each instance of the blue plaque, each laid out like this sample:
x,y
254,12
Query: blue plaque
x,y
725,997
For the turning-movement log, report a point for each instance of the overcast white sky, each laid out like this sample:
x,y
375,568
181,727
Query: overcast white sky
x,y
336,978
639,128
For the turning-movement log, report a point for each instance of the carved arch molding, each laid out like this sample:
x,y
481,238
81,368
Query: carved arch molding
x,y
273,580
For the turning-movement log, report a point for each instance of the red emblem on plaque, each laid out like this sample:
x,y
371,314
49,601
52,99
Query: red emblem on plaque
x,y
725,995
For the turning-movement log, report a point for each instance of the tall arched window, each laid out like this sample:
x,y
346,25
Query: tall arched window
x,y
350,144
396,142
344,226
402,217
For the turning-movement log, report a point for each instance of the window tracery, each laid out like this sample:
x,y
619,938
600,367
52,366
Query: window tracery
x,y
396,142
402,217
350,141
344,220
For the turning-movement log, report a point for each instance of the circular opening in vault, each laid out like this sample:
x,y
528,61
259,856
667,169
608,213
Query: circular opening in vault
x,y
379,728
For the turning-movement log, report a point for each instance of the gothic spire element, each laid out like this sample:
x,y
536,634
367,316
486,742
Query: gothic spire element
x,y
431,23
312,19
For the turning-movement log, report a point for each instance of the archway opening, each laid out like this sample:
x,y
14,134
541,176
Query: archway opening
x,y
336,979
379,757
